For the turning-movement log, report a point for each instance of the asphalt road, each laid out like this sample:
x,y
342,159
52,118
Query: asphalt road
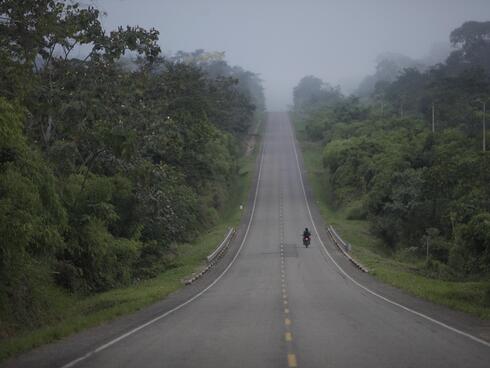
x,y
281,305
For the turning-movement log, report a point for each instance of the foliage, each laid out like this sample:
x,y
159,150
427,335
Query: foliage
x,y
312,91
416,187
32,221
213,64
473,42
389,66
106,161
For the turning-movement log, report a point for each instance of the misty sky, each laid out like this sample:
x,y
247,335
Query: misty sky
x,y
284,40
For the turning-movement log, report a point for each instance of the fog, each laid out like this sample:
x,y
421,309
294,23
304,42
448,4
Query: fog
x,y
284,40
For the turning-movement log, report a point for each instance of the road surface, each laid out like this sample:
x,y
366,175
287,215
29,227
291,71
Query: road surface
x,y
281,305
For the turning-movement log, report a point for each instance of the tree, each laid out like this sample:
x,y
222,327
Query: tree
x,y
389,66
473,41
106,160
307,91
32,221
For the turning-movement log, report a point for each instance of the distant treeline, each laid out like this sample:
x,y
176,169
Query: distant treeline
x,y
414,185
106,159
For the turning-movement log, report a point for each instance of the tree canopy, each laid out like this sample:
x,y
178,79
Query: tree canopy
x,y
411,183
106,159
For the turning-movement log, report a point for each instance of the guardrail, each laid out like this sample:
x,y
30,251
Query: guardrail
x,y
344,248
213,258
224,244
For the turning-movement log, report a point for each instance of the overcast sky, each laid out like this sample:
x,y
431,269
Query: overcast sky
x,y
284,40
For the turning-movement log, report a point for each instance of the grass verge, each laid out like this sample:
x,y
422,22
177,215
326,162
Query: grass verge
x,y
75,313
470,297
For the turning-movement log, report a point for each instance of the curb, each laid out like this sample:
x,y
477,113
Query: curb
x,y
214,257
341,244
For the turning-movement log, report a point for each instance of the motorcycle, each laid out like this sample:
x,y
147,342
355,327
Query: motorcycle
x,y
306,240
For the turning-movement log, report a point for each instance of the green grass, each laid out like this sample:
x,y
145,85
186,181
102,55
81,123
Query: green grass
x,y
384,264
75,313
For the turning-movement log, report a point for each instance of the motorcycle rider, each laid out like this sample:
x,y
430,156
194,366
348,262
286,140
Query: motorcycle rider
x,y
306,233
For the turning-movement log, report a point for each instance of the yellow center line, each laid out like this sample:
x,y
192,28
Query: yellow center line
x,y
292,361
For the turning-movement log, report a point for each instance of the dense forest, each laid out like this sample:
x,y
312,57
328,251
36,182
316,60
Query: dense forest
x,y
411,157
109,152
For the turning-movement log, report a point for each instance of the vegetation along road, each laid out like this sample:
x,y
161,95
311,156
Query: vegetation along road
x,y
280,304
121,166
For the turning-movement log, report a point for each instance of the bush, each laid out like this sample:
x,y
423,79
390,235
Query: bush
x,y
31,222
314,130
486,297
155,257
357,211
438,270
95,260
472,253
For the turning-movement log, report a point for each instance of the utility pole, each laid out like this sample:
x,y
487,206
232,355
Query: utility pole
x,y
484,128
433,119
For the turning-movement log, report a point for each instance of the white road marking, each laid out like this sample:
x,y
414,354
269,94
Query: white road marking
x,y
129,333
442,324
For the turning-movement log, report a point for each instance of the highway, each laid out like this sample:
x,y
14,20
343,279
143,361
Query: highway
x,y
279,304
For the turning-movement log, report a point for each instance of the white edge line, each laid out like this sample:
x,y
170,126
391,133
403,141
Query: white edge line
x,y
129,333
474,338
